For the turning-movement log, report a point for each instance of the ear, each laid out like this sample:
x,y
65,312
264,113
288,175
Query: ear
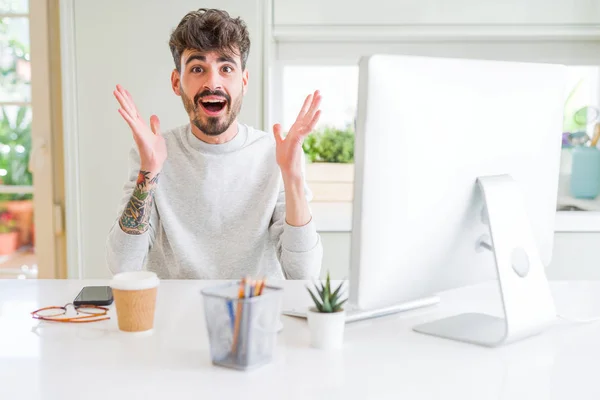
x,y
245,81
175,82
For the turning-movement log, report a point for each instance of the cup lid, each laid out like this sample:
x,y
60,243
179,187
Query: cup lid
x,y
134,280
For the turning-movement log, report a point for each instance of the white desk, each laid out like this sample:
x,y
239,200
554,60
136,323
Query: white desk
x,y
381,359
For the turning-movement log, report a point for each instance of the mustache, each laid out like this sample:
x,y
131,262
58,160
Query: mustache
x,y
207,92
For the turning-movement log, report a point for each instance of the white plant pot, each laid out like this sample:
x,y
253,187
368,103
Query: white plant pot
x,y
326,329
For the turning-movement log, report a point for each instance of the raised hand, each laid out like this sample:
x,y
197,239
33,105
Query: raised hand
x,y
135,219
289,150
150,143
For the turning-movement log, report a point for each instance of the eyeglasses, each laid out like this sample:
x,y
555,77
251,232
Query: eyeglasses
x,y
90,313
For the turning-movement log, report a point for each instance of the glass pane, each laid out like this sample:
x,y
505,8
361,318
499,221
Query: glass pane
x,y
333,139
17,232
15,65
14,6
581,102
581,114
337,84
15,148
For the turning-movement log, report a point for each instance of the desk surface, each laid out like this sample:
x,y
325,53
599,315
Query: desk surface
x,y
382,358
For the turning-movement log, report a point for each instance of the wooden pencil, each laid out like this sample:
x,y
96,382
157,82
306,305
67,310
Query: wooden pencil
x,y
238,317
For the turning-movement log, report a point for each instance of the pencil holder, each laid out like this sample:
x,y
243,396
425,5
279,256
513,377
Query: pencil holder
x,y
242,332
585,173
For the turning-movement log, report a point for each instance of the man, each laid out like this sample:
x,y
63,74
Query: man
x,y
215,199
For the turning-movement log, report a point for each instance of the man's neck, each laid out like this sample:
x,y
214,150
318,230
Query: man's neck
x,y
224,137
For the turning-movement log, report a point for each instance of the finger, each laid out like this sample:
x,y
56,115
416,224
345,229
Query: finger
x,y
277,133
131,108
124,104
132,102
308,128
128,119
124,95
314,121
305,107
155,124
314,106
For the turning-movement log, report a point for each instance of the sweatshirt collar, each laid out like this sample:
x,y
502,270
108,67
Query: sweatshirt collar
x,y
234,144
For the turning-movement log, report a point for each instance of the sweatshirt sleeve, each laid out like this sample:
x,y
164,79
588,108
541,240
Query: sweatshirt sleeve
x,y
299,248
124,251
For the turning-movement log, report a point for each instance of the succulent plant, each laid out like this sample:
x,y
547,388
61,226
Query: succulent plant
x,y
327,301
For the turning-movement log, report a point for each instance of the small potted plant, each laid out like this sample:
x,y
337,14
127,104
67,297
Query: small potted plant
x,y
327,319
9,234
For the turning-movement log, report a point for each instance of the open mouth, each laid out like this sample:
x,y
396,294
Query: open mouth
x,y
213,106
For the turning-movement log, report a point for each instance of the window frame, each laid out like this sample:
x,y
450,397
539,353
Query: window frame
x,y
45,158
310,50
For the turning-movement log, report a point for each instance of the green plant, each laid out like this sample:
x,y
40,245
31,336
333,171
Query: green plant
x,y
330,145
328,301
8,223
15,145
15,122
575,117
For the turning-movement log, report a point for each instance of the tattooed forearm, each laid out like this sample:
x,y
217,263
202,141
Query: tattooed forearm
x,y
136,216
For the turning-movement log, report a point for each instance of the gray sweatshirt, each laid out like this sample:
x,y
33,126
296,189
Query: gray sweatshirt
x,y
219,213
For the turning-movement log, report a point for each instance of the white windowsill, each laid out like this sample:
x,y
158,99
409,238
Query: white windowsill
x,y
337,217
577,221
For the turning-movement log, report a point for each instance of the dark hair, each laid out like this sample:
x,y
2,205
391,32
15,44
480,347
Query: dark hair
x,y
210,30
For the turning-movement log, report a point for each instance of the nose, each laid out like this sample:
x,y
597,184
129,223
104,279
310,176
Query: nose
x,y
213,81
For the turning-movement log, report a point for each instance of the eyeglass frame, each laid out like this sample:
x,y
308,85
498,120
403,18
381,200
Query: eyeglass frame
x,y
90,317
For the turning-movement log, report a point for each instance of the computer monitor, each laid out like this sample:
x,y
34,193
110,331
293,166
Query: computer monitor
x,y
433,135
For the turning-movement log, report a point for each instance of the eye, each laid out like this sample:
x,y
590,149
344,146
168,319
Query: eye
x,y
227,69
196,69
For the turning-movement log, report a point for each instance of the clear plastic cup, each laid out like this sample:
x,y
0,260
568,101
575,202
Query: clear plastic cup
x,y
242,332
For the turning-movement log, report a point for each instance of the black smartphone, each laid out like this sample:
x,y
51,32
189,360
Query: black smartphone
x,y
94,295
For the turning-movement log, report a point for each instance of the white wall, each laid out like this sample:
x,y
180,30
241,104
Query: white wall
x,y
423,12
126,42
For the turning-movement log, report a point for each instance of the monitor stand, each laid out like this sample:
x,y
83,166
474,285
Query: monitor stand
x,y
526,298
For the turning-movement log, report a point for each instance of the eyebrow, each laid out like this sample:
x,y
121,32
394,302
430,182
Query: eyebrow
x,y
202,58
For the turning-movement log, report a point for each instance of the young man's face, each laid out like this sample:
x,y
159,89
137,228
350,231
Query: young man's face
x,y
211,85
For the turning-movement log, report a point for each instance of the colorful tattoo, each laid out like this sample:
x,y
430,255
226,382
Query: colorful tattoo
x,y
136,216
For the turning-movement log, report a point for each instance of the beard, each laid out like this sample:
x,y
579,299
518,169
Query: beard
x,y
211,126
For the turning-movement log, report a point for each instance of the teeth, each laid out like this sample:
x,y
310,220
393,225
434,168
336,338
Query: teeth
x,y
213,101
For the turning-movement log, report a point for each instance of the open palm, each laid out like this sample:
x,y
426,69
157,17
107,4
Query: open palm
x,y
289,150
150,143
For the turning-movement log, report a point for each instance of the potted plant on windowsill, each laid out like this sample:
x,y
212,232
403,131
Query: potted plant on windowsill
x,y
327,319
9,234
330,168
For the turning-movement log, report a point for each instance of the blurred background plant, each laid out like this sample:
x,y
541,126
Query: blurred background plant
x,y
15,120
15,124
15,145
330,144
577,119
8,222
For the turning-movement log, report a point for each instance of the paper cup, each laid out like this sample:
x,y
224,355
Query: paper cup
x,y
135,300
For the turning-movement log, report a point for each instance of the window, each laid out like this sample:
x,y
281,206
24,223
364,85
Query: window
x,y
339,86
337,83
16,207
583,93
330,149
302,49
581,114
